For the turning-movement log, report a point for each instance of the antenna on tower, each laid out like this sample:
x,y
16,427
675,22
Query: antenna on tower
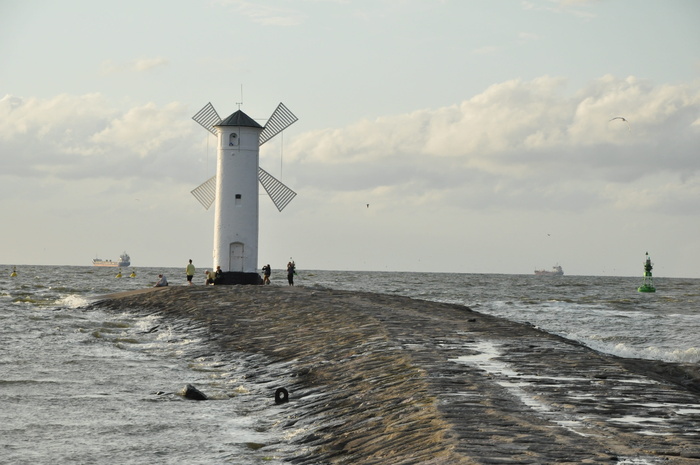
x,y
241,102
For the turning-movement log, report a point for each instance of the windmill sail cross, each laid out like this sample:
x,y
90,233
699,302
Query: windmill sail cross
x,y
279,193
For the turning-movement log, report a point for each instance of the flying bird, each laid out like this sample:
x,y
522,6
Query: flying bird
x,y
623,119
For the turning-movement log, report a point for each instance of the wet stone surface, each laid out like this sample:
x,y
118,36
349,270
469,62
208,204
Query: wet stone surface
x,y
378,379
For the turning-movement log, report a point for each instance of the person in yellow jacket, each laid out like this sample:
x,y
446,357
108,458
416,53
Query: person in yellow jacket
x,y
190,272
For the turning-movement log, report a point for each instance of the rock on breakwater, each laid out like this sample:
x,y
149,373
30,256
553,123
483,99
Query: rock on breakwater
x,y
387,379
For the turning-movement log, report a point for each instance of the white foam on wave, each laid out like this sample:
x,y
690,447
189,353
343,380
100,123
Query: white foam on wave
x,y
637,461
691,355
621,349
73,301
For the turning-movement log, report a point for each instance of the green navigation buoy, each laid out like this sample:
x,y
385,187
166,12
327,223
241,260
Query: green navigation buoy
x,y
648,283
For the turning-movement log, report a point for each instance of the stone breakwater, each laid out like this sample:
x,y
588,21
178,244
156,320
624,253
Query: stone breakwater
x,y
379,379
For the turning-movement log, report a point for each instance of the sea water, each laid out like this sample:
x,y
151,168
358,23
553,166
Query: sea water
x,y
605,313
81,385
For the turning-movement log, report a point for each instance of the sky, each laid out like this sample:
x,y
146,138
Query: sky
x,y
461,136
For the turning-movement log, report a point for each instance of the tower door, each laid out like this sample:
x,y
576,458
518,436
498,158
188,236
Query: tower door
x,y
236,256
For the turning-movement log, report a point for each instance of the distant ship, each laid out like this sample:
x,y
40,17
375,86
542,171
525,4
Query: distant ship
x,y
555,271
124,260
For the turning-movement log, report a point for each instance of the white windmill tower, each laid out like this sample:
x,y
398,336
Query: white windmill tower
x,y
234,188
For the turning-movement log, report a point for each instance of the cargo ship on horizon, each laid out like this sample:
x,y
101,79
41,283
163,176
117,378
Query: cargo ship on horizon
x,y
555,271
124,260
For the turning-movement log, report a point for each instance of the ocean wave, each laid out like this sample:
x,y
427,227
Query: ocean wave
x,y
72,301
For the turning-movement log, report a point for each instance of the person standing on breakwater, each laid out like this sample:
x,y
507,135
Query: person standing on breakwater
x,y
190,272
291,271
162,282
266,273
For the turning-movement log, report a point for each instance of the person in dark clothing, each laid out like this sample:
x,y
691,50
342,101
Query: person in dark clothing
x,y
291,271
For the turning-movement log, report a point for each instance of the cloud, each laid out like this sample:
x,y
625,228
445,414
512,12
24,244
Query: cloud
x,y
145,130
663,192
525,145
521,144
146,64
83,136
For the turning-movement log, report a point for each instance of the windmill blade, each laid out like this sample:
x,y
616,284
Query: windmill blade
x,y
280,194
207,117
281,119
206,192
